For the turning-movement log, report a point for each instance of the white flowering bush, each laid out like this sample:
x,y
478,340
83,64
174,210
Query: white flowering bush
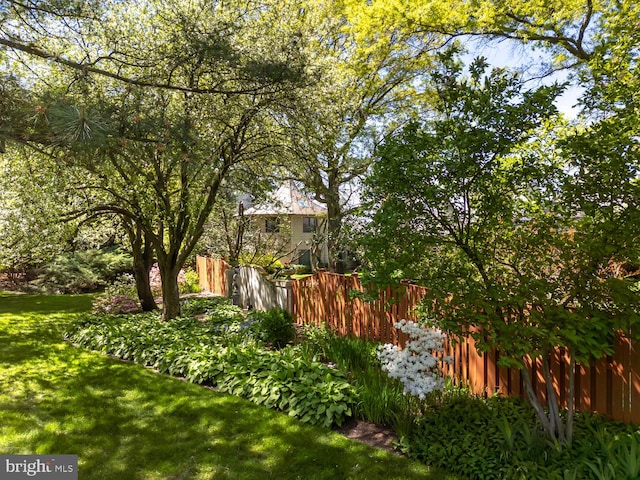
x,y
416,365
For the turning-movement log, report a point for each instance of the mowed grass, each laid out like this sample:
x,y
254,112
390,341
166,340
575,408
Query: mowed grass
x,y
127,422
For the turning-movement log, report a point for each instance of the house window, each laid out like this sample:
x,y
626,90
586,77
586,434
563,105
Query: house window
x,y
309,224
272,225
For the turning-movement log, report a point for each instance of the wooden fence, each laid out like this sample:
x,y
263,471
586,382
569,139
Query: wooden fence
x,y
212,274
610,386
338,302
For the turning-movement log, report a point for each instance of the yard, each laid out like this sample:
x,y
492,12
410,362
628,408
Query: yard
x,y
126,421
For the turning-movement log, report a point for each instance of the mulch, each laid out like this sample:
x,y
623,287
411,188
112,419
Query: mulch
x,y
370,433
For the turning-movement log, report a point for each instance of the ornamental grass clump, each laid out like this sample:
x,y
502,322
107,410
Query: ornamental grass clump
x,y
417,364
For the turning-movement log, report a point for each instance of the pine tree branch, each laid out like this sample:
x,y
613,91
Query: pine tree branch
x,y
32,50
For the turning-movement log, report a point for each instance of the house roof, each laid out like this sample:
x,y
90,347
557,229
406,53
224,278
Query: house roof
x,y
288,200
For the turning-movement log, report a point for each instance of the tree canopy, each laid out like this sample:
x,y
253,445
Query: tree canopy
x,y
362,92
498,219
155,103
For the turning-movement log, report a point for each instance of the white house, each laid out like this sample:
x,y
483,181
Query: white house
x,y
304,219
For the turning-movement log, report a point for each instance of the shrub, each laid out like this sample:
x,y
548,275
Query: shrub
x,y
189,282
417,365
275,326
83,271
271,263
119,297
293,269
115,304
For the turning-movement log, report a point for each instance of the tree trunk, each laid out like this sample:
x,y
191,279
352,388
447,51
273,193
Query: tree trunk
x,y
552,402
143,286
551,422
170,290
334,226
535,403
142,262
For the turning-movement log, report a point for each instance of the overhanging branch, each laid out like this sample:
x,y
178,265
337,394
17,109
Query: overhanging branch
x,y
88,68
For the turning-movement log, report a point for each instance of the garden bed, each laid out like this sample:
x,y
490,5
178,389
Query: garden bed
x,y
124,421
338,382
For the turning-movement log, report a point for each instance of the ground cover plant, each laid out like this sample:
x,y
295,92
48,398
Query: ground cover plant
x,y
500,438
324,379
274,326
223,350
125,421
477,438
381,399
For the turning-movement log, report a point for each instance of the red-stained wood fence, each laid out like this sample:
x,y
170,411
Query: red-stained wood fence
x,y
212,274
610,386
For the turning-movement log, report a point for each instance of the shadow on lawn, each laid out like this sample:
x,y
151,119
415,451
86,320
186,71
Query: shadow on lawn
x,y
125,421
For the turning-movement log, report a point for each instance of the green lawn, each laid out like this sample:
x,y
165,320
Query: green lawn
x,y
127,422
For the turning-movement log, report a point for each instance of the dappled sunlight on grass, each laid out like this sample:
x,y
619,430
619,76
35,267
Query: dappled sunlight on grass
x,y
43,304
126,422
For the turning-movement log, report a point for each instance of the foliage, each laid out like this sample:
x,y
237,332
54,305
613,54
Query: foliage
x,y
381,399
482,196
244,239
83,271
222,353
190,282
293,271
499,438
366,90
193,306
275,326
28,235
308,390
348,353
269,261
564,28
151,141
35,194
112,413
225,313
119,297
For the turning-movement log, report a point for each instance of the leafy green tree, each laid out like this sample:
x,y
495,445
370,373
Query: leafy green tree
x,y
30,233
566,28
34,232
361,93
478,194
156,121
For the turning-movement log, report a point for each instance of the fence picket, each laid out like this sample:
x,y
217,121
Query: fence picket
x,y
634,383
610,386
212,274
